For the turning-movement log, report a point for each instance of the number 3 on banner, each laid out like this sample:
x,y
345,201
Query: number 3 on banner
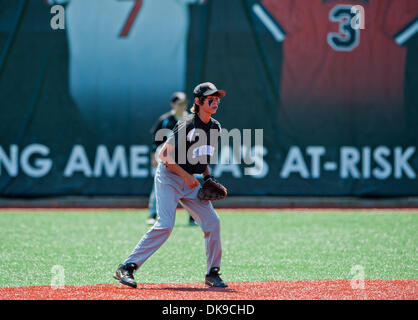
x,y
348,38
131,19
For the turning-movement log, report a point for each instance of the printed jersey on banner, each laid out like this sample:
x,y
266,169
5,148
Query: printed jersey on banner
x,y
332,62
127,57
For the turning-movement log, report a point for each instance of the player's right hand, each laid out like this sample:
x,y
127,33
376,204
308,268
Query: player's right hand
x,y
191,181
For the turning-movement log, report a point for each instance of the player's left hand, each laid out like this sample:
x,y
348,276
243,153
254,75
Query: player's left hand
x,y
212,190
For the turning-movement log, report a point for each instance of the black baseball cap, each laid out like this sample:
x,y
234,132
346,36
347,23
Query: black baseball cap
x,y
207,89
178,97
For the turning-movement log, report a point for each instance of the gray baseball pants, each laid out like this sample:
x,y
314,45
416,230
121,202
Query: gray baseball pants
x,y
170,189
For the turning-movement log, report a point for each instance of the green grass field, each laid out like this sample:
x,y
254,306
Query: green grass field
x,y
257,245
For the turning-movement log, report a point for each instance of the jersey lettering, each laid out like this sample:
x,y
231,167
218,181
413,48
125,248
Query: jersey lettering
x,y
203,151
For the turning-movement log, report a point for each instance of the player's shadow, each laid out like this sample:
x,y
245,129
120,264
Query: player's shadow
x,y
210,289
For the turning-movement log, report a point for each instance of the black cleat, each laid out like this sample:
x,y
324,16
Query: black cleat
x,y
125,274
213,279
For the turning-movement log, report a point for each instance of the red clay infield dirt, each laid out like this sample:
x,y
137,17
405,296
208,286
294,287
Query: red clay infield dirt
x,y
260,290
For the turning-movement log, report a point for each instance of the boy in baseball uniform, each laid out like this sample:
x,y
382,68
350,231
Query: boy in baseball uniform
x,y
186,152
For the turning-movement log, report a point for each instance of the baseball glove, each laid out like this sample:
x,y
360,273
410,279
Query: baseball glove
x,y
212,190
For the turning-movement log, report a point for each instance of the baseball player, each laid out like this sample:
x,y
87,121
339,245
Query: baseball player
x,y
168,120
184,154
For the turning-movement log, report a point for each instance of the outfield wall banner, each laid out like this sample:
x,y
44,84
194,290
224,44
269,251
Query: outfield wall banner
x,y
331,85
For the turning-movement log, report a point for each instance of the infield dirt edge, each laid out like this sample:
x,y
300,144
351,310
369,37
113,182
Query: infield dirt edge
x,y
406,289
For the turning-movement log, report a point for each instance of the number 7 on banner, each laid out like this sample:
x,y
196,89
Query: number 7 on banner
x,y
131,18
